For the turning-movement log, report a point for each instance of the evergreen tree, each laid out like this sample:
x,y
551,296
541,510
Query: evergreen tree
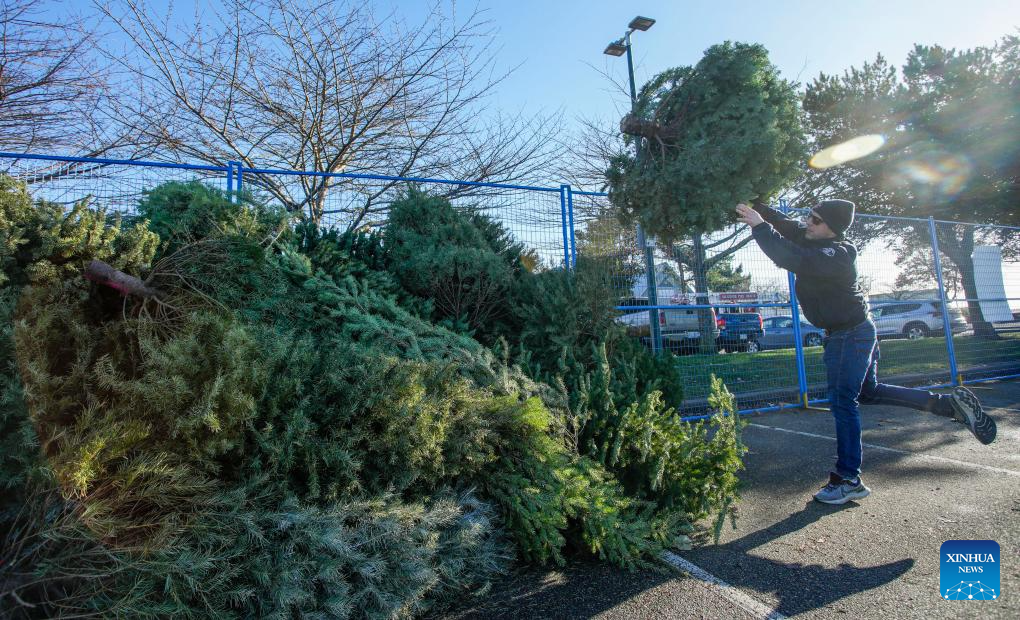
x,y
224,425
949,117
727,130
725,277
465,264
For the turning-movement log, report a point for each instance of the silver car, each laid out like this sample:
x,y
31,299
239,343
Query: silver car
x,y
680,327
778,333
914,319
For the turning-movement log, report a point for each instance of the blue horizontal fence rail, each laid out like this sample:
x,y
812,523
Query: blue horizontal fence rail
x,y
568,224
112,162
699,306
384,177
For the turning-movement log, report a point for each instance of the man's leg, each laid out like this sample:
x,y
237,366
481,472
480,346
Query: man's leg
x,y
875,393
961,405
847,359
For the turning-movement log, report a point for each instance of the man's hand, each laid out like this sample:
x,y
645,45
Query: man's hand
x,y
748,215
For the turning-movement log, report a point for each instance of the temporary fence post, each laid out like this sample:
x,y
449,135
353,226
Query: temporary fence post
x,y
798,341
647,246
946,324
234,180
570,219
563,224
230,180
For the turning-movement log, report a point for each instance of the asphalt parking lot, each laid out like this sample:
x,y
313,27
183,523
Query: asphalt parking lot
x,y
931,482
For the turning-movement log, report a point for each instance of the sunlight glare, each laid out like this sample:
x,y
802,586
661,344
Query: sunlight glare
x,y
852,149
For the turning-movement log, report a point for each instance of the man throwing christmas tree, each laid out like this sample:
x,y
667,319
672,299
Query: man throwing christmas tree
x,y
829,293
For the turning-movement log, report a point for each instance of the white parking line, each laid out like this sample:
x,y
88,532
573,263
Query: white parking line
x,y
738,597
932,457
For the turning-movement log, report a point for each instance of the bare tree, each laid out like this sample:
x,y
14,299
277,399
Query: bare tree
x,y
325,88
587,153
588,149
52,91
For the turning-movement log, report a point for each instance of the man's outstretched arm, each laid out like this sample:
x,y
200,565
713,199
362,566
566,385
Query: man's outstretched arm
x,y
787,226
824,261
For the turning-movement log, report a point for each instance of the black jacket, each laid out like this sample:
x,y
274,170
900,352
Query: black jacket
x,y
826,271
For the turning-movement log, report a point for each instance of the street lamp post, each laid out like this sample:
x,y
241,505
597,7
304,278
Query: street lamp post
x,y
620,47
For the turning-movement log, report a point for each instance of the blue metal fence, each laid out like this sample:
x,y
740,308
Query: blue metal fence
x,y
561,223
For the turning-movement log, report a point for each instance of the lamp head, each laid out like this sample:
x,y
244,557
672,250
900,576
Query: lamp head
x,y
616,48
641,23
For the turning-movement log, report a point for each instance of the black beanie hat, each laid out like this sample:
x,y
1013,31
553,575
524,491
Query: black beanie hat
x,y
837,214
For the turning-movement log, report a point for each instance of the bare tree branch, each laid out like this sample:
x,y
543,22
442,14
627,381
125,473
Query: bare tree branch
x,y
53,94
326,87
588,152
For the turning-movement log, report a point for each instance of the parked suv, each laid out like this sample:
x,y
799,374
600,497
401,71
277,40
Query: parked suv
x,y
914,319
739,331
679,328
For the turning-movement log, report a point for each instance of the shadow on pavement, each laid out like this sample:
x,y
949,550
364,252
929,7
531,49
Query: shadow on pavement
x,y
581,590
797,587
589,588
585,589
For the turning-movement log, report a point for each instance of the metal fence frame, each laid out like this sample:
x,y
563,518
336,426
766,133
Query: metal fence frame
x,y
235,173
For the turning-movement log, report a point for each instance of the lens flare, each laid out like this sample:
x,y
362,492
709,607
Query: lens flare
x,y
941,174
852,149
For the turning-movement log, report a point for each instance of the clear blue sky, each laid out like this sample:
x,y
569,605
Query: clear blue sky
x,y
555,41
557,45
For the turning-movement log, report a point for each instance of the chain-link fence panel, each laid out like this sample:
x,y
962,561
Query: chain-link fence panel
x,y
537,217
897,274
944,296
114,185
981,277
714,302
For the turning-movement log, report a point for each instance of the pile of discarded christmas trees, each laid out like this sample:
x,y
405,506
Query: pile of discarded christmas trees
x,y
211,409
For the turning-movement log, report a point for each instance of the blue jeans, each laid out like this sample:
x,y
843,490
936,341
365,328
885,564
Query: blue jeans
x,y
851,366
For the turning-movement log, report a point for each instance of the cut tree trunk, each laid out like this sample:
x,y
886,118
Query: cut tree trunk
x,y
652,130
125,284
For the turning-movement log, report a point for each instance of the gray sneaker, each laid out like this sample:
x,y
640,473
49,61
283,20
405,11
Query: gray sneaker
x,y
967,411
841,491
